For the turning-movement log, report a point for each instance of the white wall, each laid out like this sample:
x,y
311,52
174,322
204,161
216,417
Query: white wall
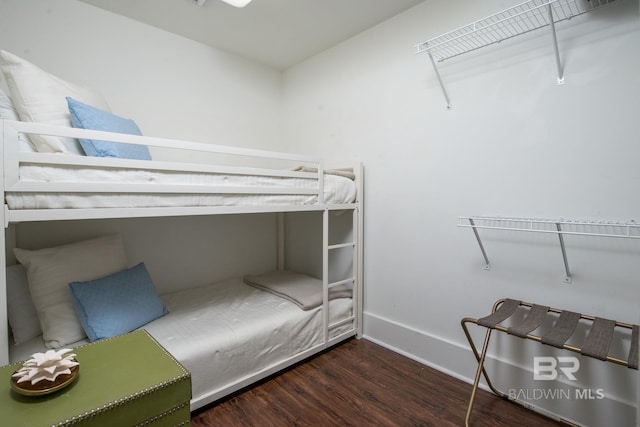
x,y
179,252
514,144
171,86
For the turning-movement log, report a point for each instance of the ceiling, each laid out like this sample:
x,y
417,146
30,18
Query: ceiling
x,y
278,33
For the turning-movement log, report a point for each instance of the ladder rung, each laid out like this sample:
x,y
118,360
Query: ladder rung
x,y
342,245
342,322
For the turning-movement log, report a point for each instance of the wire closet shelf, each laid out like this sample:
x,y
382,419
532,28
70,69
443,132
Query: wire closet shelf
x,y
520,19
629,230
559,227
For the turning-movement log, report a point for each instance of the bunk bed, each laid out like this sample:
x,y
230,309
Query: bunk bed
x,y
229,334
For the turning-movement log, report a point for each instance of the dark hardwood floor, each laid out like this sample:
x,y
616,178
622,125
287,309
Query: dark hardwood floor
x,y
359,383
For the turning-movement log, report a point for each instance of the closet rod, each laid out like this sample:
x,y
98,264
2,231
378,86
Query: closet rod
x,y
626,231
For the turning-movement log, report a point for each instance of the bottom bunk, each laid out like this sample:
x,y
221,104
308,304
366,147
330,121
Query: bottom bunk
x,y
229,334
216,310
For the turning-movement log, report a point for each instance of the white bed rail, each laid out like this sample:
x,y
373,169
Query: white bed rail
x,y
247,158
44,129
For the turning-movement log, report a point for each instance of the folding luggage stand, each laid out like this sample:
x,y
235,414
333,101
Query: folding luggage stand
x,y
596,344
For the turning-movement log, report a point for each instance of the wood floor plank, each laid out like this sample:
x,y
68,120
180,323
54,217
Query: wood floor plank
x,y
359,383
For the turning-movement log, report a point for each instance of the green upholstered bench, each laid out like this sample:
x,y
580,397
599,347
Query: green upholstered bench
x,y
127,380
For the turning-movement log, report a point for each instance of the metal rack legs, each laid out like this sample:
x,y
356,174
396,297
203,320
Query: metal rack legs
x,y
596,344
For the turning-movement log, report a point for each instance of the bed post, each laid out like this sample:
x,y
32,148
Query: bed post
x,y
280,221
325,274
4,331
359,231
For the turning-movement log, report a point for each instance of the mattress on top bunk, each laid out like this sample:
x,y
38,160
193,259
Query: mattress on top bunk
x,y
227,330
337,189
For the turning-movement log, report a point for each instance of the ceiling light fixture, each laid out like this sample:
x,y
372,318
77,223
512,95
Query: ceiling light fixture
x,y
236,3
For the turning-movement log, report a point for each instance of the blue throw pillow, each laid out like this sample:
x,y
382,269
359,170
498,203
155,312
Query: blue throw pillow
x,y
85,116
118,303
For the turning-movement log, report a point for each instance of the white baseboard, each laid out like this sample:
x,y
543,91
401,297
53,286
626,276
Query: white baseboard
x,y
592,408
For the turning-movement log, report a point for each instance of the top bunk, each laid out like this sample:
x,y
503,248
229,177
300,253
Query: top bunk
x,y
176,178
66,155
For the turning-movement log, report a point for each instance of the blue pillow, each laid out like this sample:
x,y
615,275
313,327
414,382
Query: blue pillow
x,y
118,303
85,116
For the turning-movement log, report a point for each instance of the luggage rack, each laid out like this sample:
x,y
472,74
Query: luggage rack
x,y
596,344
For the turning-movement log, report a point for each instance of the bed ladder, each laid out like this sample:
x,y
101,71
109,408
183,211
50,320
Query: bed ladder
x,y
595,345
352,280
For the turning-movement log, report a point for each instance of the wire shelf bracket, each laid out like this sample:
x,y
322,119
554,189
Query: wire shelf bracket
x,y
517,20
560,227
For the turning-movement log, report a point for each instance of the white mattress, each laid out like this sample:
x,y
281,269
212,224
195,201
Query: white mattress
x,y
228,330
337,189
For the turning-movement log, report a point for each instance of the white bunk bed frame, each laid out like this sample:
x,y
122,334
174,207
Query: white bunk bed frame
x,y
10,181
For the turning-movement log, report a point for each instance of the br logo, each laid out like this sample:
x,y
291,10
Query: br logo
x,y
546,367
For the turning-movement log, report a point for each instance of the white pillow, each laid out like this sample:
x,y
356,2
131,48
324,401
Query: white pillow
x,y
50,271
40,97
23,318
8,112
